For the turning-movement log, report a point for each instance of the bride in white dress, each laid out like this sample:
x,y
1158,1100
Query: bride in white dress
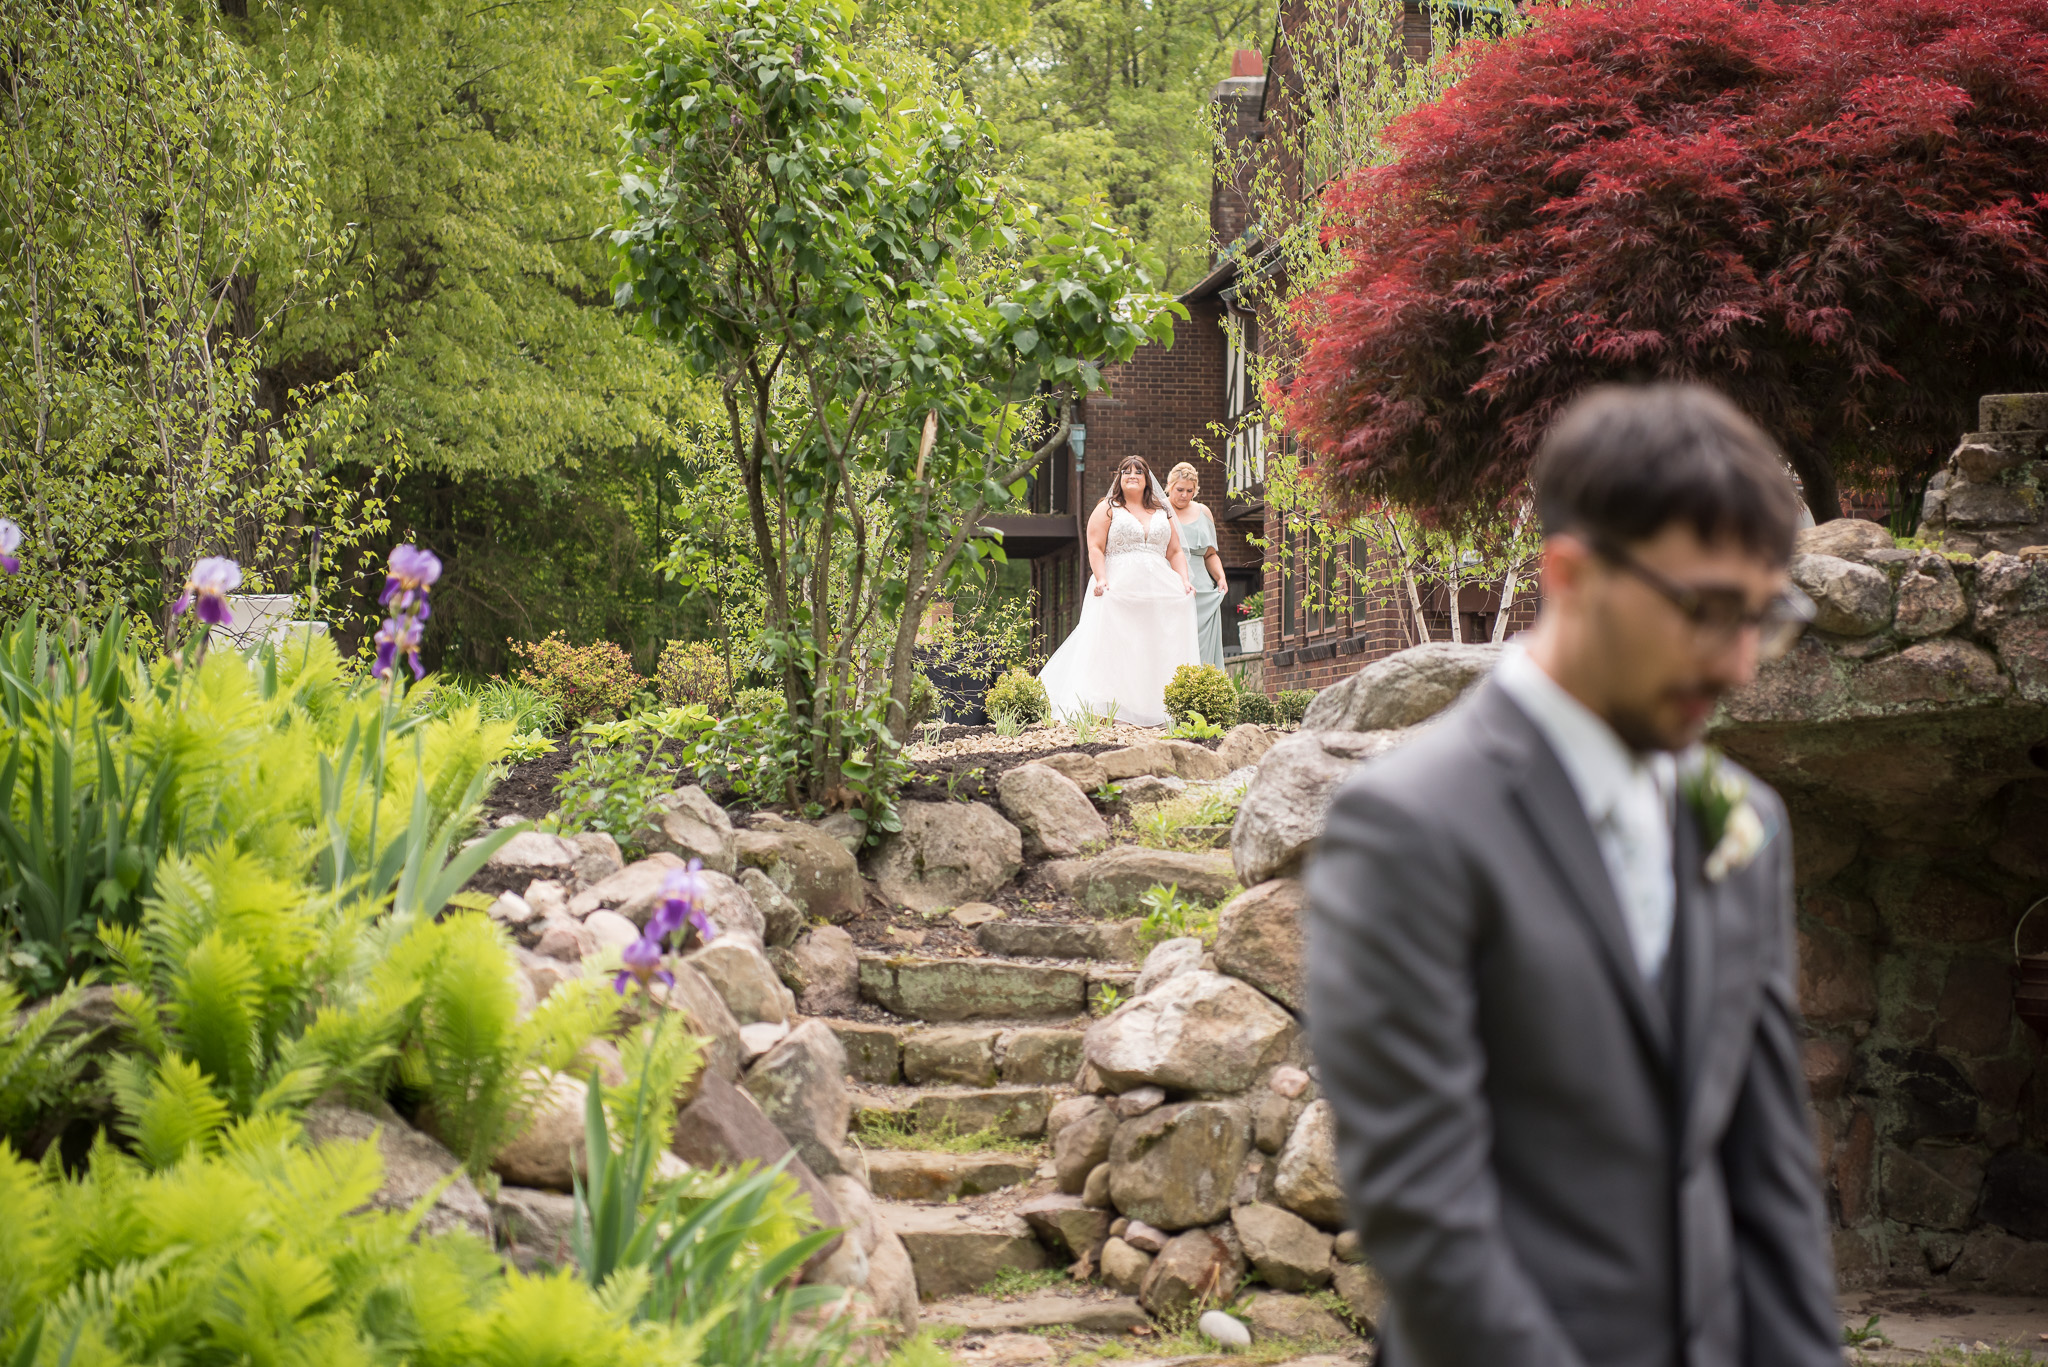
x,y
1137,617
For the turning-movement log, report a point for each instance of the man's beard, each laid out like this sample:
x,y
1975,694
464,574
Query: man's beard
x,y
1640,729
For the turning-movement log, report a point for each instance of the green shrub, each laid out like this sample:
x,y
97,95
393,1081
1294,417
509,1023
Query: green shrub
x,y
1292,704
267,1251
1204,689
588,682
526,708
1169,916
612,785
750,702
1256,707
693,672
1019,695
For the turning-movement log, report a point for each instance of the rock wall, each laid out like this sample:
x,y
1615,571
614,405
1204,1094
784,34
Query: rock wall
x,y
1989,496
1909,736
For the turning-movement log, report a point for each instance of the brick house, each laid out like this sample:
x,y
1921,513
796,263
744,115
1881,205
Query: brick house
x,y
1196,402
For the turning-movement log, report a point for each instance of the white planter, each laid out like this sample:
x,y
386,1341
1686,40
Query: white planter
x,y
254,617
1251,637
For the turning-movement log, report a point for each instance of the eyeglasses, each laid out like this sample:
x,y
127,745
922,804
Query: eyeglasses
x,y
1718,614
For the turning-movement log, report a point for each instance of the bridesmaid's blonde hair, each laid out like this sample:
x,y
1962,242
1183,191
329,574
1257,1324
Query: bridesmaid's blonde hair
x,y
1184,471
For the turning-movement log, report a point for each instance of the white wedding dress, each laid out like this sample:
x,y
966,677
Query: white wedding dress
x,y
1131,639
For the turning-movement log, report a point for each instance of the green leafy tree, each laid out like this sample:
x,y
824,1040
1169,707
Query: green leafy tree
x,y
887,330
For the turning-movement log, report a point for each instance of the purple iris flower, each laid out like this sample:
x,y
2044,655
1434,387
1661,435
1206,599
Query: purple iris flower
x,y
398,636
10,542
211,581
682,894
643,964
413,569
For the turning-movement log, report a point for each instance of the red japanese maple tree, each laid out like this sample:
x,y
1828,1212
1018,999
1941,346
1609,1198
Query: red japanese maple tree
x,y
1834,212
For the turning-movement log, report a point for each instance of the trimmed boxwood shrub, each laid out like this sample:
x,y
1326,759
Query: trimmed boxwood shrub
x,y
1292,704
1256,707
1204,689
1019,695
692,672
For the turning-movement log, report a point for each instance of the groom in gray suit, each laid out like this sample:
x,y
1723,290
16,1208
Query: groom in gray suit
x,y
1550,946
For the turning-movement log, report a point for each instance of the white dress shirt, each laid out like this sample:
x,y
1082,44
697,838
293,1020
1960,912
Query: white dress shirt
x,y
1628,798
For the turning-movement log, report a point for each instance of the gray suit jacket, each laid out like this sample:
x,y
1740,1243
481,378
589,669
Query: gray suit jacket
x,y
1552,1164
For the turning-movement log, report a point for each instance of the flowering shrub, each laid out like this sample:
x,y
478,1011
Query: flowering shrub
x,y
1204,689
692,671
1019,695
590,681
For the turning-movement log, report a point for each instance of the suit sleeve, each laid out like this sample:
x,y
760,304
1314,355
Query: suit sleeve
x,y
1393,928
1783,1265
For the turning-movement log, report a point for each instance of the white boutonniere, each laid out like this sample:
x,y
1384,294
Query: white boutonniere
x,y
1730,828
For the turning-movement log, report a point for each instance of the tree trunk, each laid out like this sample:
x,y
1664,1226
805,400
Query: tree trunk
x,y
1816,476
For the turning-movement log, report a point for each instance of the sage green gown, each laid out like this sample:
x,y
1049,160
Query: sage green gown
x,y
1198,538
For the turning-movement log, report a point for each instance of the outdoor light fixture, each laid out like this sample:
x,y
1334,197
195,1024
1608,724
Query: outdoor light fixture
x,y
1077,439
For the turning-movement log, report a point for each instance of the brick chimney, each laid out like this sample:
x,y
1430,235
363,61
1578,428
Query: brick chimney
x,y
1237,100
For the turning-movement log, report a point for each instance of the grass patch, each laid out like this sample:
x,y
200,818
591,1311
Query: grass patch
x,y
924,1350
900,1130
1170,916
1012,1281
1160,826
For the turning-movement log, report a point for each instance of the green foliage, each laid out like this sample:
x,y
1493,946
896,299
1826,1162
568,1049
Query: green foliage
x,y
1108,997
527,745
1256,707
1162,825
1292,705
1088,724
898,343
1205,689
40,1059
1169,916
585,682
1015,1281
1006,724
694,672
749,702
1019,695
1196,727
158,215
612,787
901,1130
268,1252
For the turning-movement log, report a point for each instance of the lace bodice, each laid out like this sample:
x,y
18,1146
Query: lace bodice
x,y
1128,533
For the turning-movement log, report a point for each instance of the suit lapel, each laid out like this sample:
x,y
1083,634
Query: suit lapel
x,y
1694,941
1720,986
1544,794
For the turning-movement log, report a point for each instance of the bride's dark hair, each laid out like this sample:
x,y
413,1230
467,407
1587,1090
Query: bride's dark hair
x,y
1116,486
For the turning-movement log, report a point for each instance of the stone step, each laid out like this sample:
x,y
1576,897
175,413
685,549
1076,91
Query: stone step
x,y
1010,1112
917,1175
1085,1313
930,989
1112,882
955,1250
1115,941
962,1055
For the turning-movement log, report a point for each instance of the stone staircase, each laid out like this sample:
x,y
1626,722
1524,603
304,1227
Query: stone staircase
x,y
976,1051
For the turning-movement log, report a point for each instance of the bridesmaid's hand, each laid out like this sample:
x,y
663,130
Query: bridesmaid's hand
x,y
1187,586
1099,587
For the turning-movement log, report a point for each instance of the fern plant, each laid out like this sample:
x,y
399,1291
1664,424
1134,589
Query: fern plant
x,y
41,1059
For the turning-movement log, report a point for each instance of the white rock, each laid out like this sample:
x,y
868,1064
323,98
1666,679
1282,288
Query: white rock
x,y
1168,959
1224,1329
1197,1032
512,909
1138,1101
610,928
535,850
547,897
758,1038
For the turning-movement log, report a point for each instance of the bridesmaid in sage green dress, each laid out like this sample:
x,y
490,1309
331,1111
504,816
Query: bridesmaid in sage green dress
x,y
1205,562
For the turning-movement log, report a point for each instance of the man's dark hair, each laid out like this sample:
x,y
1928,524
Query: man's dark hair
x,y
1622,463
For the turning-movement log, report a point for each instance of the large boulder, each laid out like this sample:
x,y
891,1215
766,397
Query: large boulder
x,y
815,870
1291,1253
1067,1224
537,853
1295,1319
1198,1032
1177,758
1196,1267
414,1165
1283,811
947,853
534,1226
688,824
1174,1167
1843,536
1055,816
633,892
1849,599
892,1279
745,981
782,920
1244,745
1113,881
705,1011
1085,770
823,968
800,1085
957,1250
1081,1129
723,1128
1307,1180
1410,686
1169,959
1258,939
548,1150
